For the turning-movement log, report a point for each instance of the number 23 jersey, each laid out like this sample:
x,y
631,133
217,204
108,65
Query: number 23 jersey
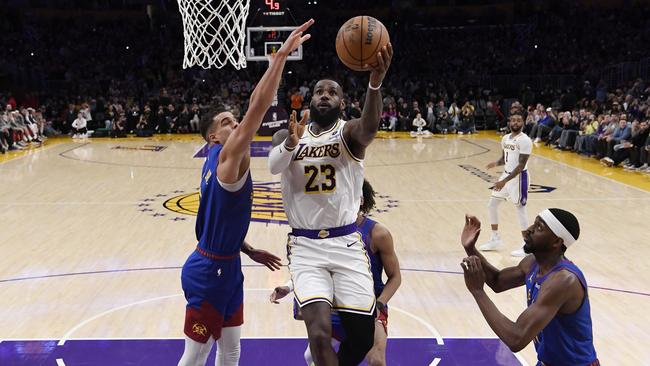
x,y
321,188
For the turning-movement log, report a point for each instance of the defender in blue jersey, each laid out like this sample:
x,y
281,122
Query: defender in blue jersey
x,y
558,318
378,243
212,278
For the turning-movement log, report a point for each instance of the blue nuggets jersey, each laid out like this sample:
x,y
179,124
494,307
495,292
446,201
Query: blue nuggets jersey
x,y
567,339
376,266
224,217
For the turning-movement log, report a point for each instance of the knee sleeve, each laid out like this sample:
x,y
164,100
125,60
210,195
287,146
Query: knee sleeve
x,y
308,358
195,353
228,347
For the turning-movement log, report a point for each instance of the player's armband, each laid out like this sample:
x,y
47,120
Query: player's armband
x,y
279,158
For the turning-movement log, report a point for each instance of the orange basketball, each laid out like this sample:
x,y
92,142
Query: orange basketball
x,y
359,40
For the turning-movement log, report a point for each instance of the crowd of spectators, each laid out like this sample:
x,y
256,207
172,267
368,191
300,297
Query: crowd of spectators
x,y
614,131
124,76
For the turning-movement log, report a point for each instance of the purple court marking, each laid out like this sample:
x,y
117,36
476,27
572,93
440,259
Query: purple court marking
x,y
261,266
262,351
259,149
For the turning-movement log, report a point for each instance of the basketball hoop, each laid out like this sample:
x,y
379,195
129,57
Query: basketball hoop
x,y
213,32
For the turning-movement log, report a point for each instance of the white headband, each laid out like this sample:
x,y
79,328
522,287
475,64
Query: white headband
x,y
556,227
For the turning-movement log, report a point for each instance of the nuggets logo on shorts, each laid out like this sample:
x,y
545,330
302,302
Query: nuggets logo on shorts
x,y
200,329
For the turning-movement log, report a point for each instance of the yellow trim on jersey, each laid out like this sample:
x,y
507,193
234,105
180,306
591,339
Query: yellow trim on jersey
x,y
347,149
356,309
311,299
365,252
324,132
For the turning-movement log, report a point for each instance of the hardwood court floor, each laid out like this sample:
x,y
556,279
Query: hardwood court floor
x,y
93,234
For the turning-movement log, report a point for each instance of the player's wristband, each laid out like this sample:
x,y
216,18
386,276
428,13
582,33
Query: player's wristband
x,y
381,307
279,158
284,144
374,88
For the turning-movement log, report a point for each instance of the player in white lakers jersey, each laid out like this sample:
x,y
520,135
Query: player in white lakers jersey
x,y
513,183
322,177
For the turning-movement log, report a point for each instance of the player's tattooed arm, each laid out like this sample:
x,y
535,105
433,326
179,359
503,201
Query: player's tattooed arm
x,y
501,161
279,137
523,159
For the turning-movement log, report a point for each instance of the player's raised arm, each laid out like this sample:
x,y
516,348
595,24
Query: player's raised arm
x,y
497,280
237,146
285,142
359,133
562,288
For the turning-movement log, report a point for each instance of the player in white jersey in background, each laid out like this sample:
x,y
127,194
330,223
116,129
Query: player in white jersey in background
x,y
513,183
322,177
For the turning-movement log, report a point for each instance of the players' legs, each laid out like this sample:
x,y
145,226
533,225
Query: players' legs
x,y
377,355
522,217
493,213
493,216
354,297
313,290
307,355
360,334
228,347
196,353
519,195
319,331
309,360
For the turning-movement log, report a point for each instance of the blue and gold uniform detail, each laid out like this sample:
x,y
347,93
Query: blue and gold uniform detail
x,y
568,338
212,277
223,217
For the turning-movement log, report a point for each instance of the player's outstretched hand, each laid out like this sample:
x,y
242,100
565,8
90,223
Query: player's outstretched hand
x,y
296,129
296,38
384,58
499,185
263,257
474,275
471,231
279,293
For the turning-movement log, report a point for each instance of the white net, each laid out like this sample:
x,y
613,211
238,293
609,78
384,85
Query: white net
x,y
214,32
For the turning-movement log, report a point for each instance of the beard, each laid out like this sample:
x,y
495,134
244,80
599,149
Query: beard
x,y
519,128
326,118
528,249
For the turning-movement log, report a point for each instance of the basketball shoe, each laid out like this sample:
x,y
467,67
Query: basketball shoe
x,y
494,243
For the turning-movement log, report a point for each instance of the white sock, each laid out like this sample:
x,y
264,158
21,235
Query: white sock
x,y
196,353
495,234
308,359
229,347
523,218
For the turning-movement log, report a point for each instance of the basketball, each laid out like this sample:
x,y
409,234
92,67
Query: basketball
x,y
359,40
